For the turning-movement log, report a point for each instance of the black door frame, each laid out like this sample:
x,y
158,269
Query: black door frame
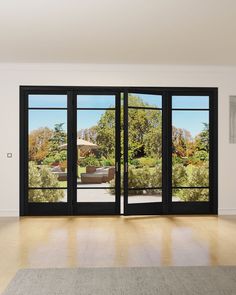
x,y
154,207
99,208
166,207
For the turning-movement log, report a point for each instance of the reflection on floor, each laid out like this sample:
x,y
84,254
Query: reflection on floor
x,y
41,242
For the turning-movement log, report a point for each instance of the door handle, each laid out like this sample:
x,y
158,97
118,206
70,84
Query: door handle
x,y
126,167
117,167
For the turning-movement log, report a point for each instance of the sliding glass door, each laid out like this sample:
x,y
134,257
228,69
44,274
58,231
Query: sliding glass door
x,y
46,164
194,150
143,152
70,152
118,150
170,151
98,153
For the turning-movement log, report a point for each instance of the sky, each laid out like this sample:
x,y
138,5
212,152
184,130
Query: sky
x,y
189,120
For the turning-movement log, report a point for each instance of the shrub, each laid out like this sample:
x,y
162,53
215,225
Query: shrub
x,y
150,162
191,175
135,162
191,195
43,177
196,176
143,177
145,161
58,157
199,157
108,162
179,175
89,161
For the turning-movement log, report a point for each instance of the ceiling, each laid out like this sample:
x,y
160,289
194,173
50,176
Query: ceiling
x,y
119,32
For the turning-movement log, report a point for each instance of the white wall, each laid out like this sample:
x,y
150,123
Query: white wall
x,y
14,75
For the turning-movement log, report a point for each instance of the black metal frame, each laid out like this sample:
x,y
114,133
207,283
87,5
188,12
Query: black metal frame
x,y
140,208
166,206
210,207
102,208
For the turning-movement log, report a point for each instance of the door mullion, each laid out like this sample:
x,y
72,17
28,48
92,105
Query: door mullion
x,y
125,122
117,152
213,152
72,152
165,153
169,151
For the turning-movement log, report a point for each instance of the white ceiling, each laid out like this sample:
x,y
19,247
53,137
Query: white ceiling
x,y
119,31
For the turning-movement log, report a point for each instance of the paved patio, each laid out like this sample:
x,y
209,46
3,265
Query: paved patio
x,y
101,193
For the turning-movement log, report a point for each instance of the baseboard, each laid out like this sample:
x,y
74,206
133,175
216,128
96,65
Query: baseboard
x,y
15,213
227,211
9,213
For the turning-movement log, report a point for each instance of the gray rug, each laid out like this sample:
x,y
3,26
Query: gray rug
x,y
122,281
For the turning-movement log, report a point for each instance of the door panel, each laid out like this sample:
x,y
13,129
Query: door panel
x,y
192,159
47,162
98,149
143,152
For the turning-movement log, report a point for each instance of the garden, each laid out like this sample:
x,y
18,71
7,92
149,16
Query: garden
x,y
190,156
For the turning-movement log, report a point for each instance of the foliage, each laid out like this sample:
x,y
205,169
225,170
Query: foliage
x,y
107,162
202,140
39,144
44,145
58,138
144,161
143,177
190,156
192,195
105,130
89,161
144,130
182,142
179,175
191,176
43,177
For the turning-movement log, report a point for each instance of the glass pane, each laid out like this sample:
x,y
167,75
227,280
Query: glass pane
x,y
145,196
47,101
144,100
190,102
47,153
96,149
47,195
96,195
190,195
190,144
96,101
145,148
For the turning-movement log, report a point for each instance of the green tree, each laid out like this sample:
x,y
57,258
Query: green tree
x,y
58,138
202,139
105,130
39,144
182,142
144,131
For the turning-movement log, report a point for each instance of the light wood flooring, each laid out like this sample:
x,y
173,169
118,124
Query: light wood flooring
x,y
44,242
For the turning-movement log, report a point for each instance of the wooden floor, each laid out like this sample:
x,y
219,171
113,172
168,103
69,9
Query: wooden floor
x,y
114,241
